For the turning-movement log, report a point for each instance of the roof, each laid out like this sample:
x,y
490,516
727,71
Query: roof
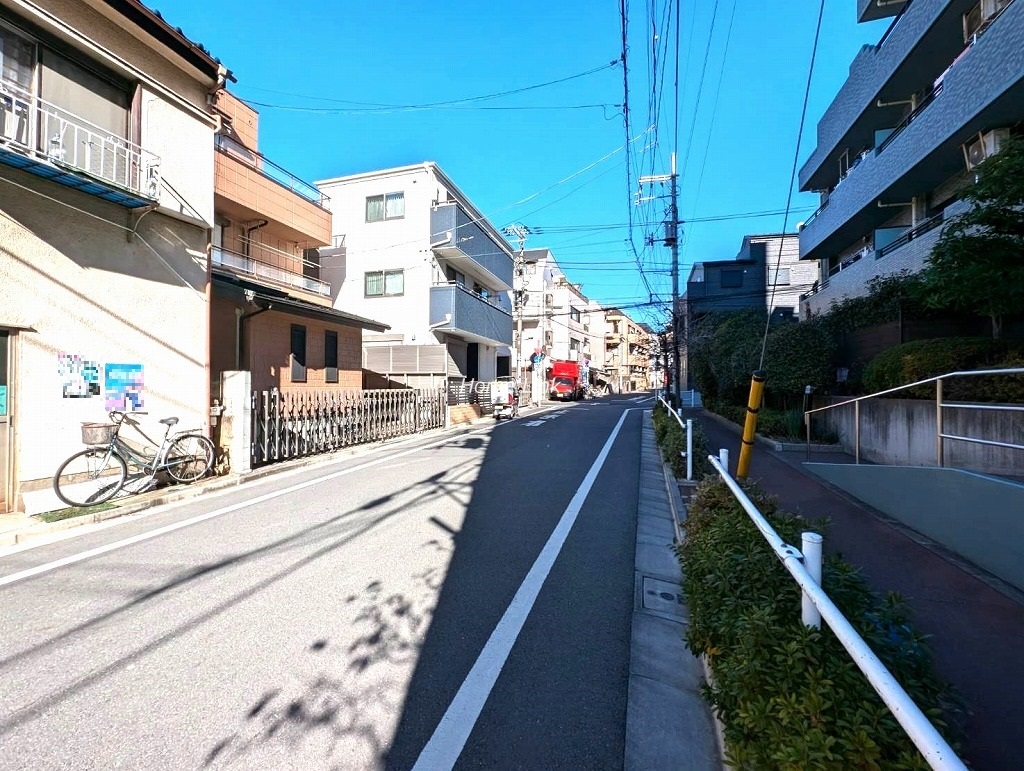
x,y
271,299
152,22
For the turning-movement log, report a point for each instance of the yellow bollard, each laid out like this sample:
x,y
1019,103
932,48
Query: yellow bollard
x,y
750,424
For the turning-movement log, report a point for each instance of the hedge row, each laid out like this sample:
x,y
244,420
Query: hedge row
x,y
775,424
790,696
672,440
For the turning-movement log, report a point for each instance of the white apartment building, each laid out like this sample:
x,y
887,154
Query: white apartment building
x,y
410,250
557,316
106,205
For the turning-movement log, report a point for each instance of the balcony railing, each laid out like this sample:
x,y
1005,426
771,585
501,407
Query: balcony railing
x,y
910,235
256,267
910,118
52,134
271,170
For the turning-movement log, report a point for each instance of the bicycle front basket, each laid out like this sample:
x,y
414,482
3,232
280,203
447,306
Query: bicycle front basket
x,y
97,433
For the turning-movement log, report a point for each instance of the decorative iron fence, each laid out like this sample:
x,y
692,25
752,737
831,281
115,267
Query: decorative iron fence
x,y
291,425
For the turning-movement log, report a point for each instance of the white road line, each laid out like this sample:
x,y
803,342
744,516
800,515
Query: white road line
x,y
72,559
448,739
534,423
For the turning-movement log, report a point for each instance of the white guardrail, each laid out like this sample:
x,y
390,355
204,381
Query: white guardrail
x,y
805,568
688,429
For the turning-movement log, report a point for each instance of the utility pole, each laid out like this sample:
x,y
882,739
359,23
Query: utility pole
x,y
671,239
519,232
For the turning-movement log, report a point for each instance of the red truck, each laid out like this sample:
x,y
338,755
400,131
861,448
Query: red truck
x,y
565,381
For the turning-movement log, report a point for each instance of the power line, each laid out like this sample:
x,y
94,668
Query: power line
x,y
792,173
379,106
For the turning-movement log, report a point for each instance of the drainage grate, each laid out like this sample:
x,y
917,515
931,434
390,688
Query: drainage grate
x,y
663,597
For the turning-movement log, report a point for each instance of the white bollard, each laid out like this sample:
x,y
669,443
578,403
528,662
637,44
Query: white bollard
x,y
723,456
811,547
689,450
236,420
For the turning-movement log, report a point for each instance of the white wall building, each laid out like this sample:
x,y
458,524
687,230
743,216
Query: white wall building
x,y
106,204
411,250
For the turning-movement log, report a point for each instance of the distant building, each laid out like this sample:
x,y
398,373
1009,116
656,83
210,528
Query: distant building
x,y
938,94
410,250
627,352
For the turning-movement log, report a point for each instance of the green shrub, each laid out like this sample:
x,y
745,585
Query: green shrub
x,y
672,440
1002,389
783,425
790,697
797,355
923,359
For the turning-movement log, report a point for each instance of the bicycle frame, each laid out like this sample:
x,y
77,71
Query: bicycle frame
x,y
149,464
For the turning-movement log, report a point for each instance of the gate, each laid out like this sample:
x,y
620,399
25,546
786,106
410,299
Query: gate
x,y
293,425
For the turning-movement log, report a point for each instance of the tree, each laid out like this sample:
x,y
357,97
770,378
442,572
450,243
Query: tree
x,y
977,265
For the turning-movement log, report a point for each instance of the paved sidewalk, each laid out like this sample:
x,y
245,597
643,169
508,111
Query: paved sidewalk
x,y
668,724
976,630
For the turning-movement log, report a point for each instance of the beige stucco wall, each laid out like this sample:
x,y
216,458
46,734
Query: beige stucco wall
x,y
185,148
84,289
123,46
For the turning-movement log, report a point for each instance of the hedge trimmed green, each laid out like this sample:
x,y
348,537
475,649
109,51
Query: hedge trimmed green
x,y
789,696
783,425
923,359
672,440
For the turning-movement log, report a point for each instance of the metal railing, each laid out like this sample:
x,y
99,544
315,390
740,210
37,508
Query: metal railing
x,y
294,424
929,224
688,430
256,267
805,568
940,405
48,131
914,114
259,162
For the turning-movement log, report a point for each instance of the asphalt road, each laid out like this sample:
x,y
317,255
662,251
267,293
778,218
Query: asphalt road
x,y
462,599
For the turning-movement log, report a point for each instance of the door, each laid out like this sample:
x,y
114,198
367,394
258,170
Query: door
x,y
473,361
5,418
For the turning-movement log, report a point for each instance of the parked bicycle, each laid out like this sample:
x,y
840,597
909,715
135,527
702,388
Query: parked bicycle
x,y
98,473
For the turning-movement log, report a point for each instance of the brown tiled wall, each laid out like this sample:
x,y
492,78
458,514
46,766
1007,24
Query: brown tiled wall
x,y
268,339
244,119
248,187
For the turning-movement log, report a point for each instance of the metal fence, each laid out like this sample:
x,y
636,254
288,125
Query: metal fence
x,y
291,425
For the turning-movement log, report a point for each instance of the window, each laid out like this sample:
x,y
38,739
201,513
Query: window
x,y
781,277
385,207
574,314
731,279
330,356
455,276
385,283
298,354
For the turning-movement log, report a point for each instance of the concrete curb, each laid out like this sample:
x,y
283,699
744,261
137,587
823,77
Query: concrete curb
x,y
33,530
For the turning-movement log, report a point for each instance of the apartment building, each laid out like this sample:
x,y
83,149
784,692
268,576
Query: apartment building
x,y
412,251
627,352
272,313
920,110
557,316
106,196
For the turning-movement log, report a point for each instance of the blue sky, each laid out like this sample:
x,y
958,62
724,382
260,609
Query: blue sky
x,y
737,158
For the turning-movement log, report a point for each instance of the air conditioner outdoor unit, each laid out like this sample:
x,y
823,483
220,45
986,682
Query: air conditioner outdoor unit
x,y
985,145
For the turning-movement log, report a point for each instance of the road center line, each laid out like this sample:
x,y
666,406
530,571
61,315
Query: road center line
x,y
72,559
446,743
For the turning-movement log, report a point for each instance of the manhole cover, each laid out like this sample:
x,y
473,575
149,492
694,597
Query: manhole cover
x,y
663,597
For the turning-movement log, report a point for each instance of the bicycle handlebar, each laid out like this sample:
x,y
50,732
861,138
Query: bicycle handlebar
x,y
123,417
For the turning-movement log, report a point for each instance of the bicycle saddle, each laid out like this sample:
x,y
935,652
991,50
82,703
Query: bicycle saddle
x,y
169,421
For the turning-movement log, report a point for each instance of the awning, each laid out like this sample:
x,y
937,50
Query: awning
x,y
270,299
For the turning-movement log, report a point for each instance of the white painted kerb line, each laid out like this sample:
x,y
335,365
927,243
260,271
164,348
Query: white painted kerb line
x,y
46,567
458,721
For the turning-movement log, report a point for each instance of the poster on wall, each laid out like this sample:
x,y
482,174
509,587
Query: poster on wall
x,y
3,400
79,377
124,385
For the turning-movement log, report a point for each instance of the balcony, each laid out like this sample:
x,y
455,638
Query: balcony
x,y
248,186
468,246
456,310
262,267
909,58
48,141
983,89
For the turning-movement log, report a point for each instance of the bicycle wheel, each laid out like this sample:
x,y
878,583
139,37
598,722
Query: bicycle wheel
x,y
90,477
190,457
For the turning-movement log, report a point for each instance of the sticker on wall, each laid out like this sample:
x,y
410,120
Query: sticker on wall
x,y
124,384
79,378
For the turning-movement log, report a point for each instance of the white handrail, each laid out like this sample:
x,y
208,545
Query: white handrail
x,y
688,430
922,733
1013,371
